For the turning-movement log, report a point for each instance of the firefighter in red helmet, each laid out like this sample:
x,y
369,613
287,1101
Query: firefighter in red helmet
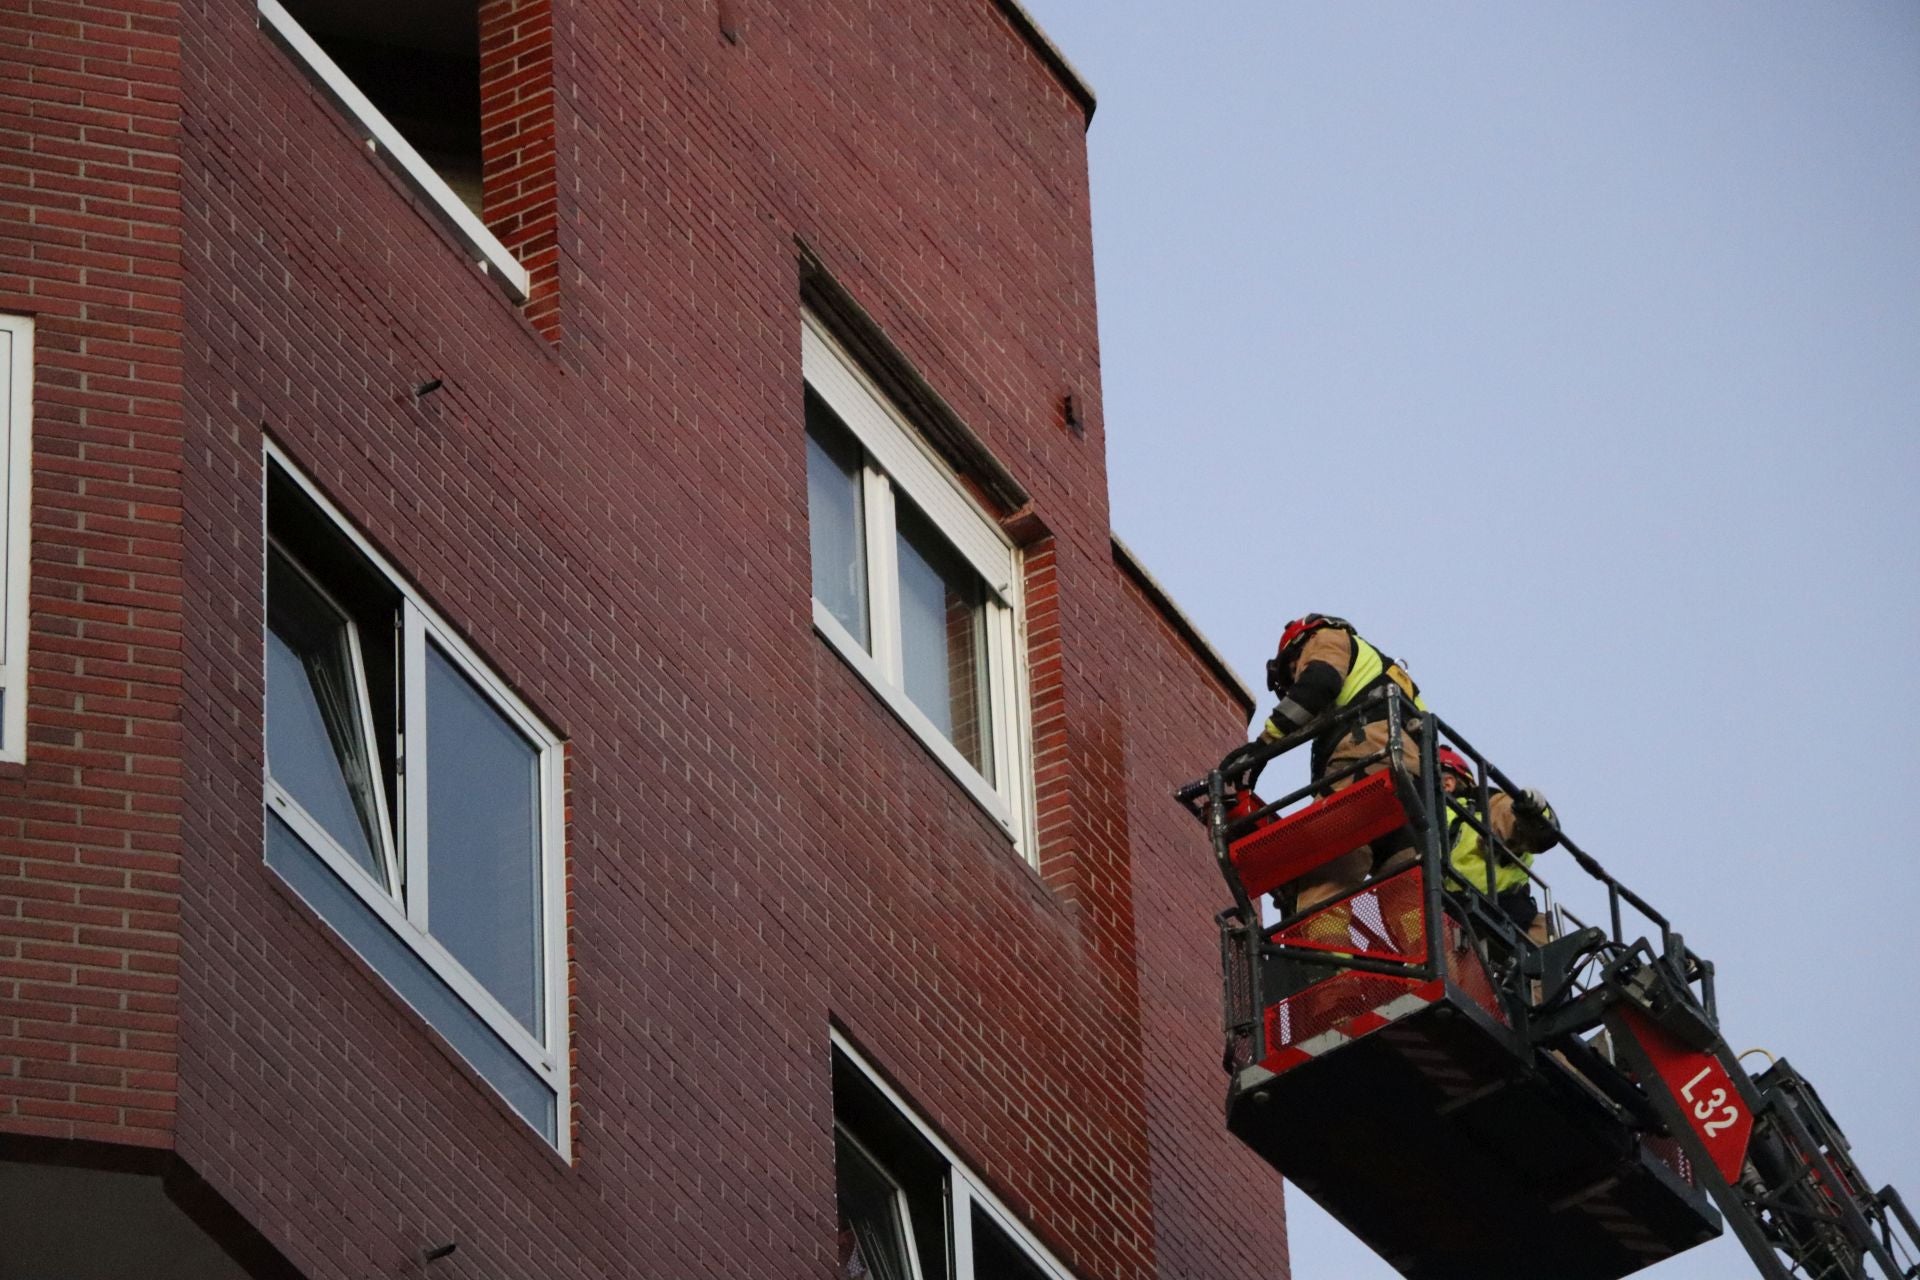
x,y
1322,665
1525,824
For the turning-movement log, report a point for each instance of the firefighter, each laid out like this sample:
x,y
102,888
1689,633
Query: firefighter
x,y
1322,665
1525,824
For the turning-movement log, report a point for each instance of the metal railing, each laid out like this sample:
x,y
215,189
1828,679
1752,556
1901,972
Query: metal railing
x,y
1800,1206
1545,989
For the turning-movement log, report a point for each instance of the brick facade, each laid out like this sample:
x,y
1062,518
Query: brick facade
x,y
91,181
607,497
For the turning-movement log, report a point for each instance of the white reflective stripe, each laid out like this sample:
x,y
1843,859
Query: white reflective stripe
x,y
897,449
1400,1008
1321,1043
1291,714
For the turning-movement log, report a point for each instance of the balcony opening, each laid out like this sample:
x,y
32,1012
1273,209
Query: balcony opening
x,y
457,96
419,63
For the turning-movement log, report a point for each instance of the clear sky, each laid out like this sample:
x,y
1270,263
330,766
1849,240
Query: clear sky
x,y
1573,352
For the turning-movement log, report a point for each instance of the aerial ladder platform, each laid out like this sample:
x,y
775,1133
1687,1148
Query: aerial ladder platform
x,y
1472,1105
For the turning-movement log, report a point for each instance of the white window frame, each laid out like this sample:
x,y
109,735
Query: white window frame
x,y
16,508
965,1189
404,908
382,138
897,459
902,1207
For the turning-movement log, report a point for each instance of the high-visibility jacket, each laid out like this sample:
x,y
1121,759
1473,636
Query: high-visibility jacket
x,y
1467,848
1369,669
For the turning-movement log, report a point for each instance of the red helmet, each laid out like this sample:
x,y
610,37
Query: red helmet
x,y
1291,639
1453,762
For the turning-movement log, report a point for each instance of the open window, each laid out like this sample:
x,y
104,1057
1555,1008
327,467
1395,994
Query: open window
x,y
914,585
414,801
908,1208
457,96
876,1216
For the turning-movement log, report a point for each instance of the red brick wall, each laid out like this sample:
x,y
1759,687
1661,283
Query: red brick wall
x,y
518,186
1217,1207
90,831
617,520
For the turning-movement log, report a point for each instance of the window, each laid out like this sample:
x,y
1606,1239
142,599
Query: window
x,y
914,585
876,1217
413,801
411,78
908,1209
16,466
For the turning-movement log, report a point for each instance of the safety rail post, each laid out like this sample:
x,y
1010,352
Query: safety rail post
x,y
1239,1008
1217,823
1433,851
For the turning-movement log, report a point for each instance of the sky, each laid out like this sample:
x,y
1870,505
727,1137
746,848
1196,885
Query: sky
x,y
1573,352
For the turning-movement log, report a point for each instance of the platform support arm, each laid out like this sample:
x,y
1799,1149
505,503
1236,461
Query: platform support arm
x,y
1638,1039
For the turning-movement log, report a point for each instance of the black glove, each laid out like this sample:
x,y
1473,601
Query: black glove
x,y
1532,806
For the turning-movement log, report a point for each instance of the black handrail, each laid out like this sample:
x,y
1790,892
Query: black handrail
x,y
1432,813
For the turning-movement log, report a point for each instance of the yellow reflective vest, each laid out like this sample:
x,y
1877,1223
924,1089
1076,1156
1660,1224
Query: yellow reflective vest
x,y
1368,667
1469,859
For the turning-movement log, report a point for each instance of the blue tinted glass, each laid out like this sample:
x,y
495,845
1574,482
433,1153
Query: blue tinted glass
x,y
943,637
315,748
483,842
834,522
408,974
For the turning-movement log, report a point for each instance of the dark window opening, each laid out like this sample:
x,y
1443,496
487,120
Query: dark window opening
x,y
418,62
877,1153
996,1255
316,573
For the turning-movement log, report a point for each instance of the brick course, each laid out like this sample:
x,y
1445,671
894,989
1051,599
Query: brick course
x,y
90,827
613,511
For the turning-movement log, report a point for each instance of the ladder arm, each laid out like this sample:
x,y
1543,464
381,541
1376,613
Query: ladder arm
x,y
1765,1149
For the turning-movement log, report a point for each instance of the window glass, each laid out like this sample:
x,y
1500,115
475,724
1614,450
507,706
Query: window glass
x,y
393,751
920,584
836,524
873,1231
901,1195
483,837
943,637
996,1256
315,746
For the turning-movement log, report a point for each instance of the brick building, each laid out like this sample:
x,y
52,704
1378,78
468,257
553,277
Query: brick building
x,y
567,688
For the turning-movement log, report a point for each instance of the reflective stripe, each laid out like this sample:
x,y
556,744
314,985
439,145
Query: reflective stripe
x,y
1291,714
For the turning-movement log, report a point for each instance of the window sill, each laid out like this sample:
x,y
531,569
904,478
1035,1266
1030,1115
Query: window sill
x,y
476,1012
561,1156
896,701
436,957
381,137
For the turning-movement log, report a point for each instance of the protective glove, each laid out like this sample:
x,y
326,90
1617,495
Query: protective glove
x,y
1531,805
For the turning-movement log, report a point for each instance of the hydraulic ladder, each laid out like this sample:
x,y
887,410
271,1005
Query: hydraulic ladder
x,y
1471,1104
